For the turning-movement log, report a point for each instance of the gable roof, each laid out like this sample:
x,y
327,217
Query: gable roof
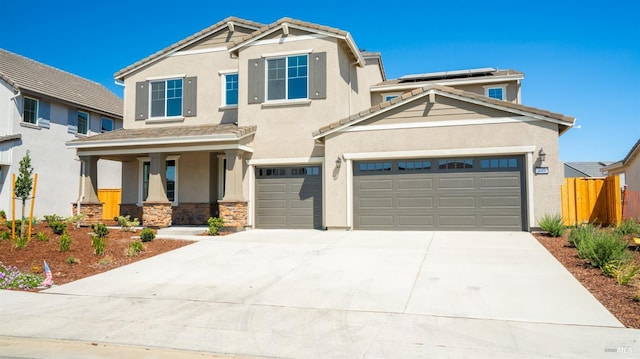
x,y
635,150
286,22
187,42
460,77
565,122
588,169
33,77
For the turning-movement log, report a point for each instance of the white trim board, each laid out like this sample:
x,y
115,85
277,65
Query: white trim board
x,y
465,122
199,51
133,151
285,161
440,153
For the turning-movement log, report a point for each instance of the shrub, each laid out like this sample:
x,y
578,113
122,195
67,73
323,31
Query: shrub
x,y
72,260
12,278
215,223
106,260
3,214
53,218
98,243
42,237
58,227
552,224
21,241
623,272
133,248
126,224
628,227
603,247
65,242
579,233
147,235
100,229
4,236
18,226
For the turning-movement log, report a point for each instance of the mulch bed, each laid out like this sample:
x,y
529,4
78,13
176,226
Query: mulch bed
x,y
618,299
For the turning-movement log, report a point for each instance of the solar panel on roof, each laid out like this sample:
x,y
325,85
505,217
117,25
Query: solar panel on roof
x,y
448,74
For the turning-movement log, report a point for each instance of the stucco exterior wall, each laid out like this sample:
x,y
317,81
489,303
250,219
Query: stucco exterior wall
x,y
631,173
546,188
193,177
512,89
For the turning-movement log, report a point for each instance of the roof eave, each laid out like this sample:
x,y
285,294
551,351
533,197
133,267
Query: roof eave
x,y
79,144
450,82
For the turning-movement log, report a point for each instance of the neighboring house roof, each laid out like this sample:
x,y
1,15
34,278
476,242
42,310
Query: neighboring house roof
x,y
163,135
565,122
587,169
635,150
284,23
458,77
32,77
187,42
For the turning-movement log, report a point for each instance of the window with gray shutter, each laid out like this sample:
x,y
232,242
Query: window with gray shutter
x,y
44,111
142,100
190,96
255,79
318,75
72,121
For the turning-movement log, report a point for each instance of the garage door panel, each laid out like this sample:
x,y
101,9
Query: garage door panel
x,y
414,184
276,188
272,220
456,221
456,183
376,220
413,221
373,203
457,202
415,202
500,202
375,184
502,221
272,204
500,182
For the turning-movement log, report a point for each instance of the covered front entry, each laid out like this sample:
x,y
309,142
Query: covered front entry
x,y
475,193
289,197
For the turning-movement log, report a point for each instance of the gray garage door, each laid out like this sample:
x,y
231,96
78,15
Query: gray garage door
x,y
440,194
289,197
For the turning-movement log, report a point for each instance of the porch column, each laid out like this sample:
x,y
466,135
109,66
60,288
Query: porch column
x,y
88,203
233,206
156,208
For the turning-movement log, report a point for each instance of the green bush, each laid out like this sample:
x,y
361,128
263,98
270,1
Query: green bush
x,y
12,278
72,260
133,248
53,218
603,247
623,272
147,235
58,227
5,236
579,233
98,243
21,242
215,223
18,226
552,224
100,230
42,237
628,227
65,242
126,224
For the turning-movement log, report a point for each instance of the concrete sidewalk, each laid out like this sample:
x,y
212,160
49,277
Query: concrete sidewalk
x,y
314,294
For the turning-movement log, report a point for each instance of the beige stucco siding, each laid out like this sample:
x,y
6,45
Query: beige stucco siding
x,y
631,173
193,177
480,89
468,139
219,39
130,179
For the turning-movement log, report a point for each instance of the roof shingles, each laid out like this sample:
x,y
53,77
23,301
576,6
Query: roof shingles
x,y
168,132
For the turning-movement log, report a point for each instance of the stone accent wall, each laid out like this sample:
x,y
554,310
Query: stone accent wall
x,y
156,214
234,214
92,212
191,213
132,210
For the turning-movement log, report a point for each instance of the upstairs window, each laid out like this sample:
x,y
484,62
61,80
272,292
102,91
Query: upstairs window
x,y
166,98
497,92
83,122
231,89
107,124
30,110
287,78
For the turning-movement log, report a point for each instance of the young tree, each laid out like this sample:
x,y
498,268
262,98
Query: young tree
x,y
24,184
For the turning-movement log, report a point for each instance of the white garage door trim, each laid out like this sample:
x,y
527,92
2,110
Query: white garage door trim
x,y
527,151
251,167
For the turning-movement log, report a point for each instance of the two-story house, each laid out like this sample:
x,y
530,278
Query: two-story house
x,y
41,108
291,125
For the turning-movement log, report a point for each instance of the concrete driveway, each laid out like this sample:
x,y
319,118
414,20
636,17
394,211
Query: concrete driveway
x,y
314,294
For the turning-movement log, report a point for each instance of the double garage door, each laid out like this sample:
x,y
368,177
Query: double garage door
x,y
440,194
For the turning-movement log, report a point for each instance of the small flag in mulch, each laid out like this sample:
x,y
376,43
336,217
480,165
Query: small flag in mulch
x,y
48,281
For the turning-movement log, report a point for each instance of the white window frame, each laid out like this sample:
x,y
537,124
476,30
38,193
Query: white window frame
x,y
285,56
166,88
223,88
88,122
141,161
108,119
35,120
492,87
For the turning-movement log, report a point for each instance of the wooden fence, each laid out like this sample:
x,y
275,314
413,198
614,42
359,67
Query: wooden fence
x,y
111,199
631,205
591,200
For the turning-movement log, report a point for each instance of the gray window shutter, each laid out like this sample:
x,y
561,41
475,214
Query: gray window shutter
x,y
142,100
318,75
44,113
256,81
190,99
72,121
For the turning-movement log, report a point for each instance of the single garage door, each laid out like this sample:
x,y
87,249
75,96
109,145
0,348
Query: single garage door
x,y
289,197
440,194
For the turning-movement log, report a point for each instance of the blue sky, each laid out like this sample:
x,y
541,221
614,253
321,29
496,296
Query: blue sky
x,y
580,58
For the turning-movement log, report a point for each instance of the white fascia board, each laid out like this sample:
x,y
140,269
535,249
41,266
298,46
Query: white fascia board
x,y
440,153
448,123
613,166
134,151
285,161
154,141
452,82
199,51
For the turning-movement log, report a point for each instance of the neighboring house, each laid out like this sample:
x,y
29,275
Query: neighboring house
x,y
41,108
585,169
290,125
628,169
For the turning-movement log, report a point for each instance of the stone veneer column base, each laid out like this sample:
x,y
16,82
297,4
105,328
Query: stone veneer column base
x,y
92,212
234,214
156,214
191,213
